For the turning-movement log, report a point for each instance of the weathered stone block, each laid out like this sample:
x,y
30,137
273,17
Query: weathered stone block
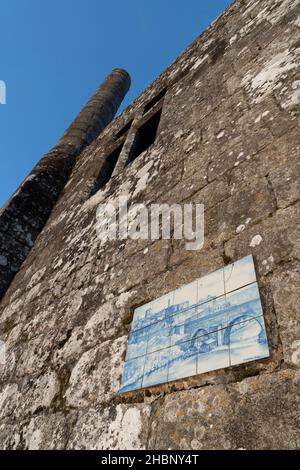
x,y
112,428
286,289
272,241
257,413
47,432
96,376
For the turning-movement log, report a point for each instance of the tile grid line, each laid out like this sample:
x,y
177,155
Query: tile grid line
x,y
210,332
203,303
185,342
232,267
186,310
146,354
197,337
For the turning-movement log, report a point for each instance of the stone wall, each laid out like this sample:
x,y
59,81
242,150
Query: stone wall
x,y
229,137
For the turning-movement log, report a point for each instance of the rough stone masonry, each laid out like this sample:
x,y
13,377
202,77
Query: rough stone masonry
x,y
229,137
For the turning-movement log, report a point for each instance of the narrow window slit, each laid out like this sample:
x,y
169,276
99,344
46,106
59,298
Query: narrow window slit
x,y
107,170
145,137
124,129
155,100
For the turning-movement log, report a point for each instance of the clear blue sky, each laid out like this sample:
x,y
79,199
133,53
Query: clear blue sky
x,y
54,54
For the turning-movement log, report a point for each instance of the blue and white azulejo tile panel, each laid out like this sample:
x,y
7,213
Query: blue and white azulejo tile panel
x,y
212,323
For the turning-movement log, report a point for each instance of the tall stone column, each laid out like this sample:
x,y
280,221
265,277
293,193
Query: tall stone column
x,y
98,112
25,214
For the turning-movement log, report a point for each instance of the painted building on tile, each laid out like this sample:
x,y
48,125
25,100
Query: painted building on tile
x,y
219,127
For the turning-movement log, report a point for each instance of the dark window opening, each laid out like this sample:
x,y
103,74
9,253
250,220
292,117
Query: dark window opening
x,y
155,100
124,130
145,137
107,169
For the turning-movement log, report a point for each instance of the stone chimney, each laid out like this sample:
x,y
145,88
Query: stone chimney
x,y
25,214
